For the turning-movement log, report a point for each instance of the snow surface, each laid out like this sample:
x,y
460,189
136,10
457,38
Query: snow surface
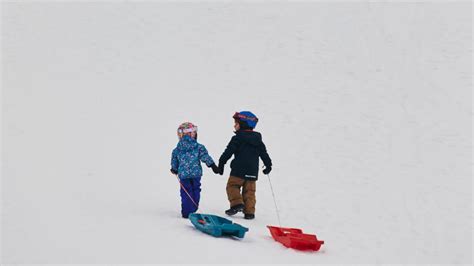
x,y
365,109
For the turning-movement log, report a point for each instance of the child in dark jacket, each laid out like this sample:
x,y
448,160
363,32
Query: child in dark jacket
x,y
247,147
186,164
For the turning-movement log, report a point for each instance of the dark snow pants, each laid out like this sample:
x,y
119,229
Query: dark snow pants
x,y
193,187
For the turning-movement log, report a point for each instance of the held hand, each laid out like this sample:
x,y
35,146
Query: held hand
x,y
215,169
175,172
221,169
267,170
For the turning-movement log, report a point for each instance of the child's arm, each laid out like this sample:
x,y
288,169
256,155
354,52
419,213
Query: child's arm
x,y
204,156
266,159
174,162
229,151
207,159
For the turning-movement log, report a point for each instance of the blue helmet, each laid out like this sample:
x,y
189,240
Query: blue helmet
x,y
248,117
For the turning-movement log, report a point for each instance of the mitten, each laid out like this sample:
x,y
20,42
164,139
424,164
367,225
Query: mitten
x,y
267,170
215,169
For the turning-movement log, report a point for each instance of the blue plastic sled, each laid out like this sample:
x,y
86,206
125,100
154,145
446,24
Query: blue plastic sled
x,y
217,226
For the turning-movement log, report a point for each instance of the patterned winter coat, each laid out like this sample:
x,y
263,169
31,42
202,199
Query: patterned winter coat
x,y
187,157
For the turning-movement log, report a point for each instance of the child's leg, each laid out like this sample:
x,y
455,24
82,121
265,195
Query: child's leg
x,y
187,206
249,196
196,192
233,190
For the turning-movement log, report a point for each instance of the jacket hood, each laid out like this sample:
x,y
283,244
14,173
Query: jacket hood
x,y
186,143
251,137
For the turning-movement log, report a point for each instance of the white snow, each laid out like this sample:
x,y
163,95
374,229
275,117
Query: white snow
x,y
365,109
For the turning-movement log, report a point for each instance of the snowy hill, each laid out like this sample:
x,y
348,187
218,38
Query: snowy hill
x,y
365,109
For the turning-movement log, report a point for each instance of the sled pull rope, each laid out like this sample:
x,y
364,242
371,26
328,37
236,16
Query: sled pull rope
x,y
187,193
274,200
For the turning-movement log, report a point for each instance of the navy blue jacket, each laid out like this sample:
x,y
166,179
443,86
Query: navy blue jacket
x,y
247,147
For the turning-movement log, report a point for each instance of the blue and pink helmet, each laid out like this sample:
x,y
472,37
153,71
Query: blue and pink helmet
x,y
187,128
246,118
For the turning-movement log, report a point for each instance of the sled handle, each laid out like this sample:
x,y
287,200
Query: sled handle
x,y
187,193
274,200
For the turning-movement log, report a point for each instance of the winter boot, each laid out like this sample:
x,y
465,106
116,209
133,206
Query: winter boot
x,y
249,216
235,209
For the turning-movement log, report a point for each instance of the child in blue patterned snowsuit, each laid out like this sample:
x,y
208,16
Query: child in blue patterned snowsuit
x,y
186,164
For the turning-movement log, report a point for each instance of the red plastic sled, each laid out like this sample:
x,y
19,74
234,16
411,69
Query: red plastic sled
x,y
295,238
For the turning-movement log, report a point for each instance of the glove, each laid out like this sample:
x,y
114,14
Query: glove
x,y
267,170
221,169
175,172
215,169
